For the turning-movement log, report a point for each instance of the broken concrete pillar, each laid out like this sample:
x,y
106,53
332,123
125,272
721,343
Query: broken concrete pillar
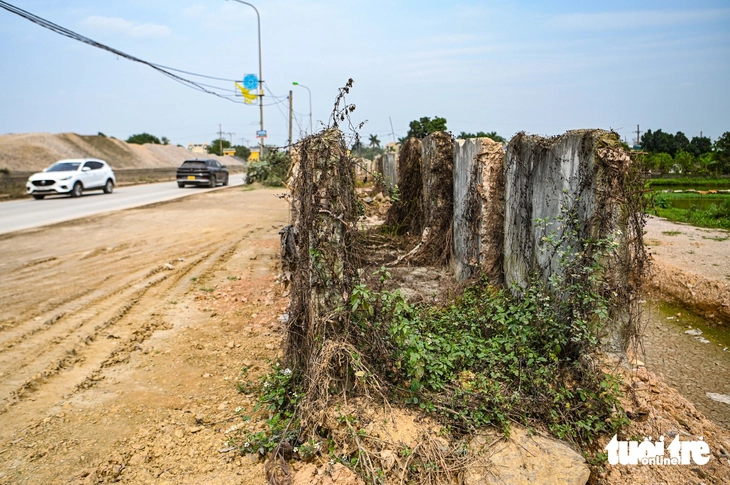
x,y
390,170
406,213
322,271
478,209
437,172
576,175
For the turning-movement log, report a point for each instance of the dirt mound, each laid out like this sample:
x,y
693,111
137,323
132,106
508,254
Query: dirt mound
x,y
36,151
690,267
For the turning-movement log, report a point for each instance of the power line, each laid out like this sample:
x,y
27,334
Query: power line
x,y
47,24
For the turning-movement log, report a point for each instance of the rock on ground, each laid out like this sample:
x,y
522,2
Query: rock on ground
x,y
526,458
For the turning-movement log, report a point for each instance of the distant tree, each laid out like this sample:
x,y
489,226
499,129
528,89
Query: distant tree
x,y
374,142
480,134
659,142
699,146
685,161
215,146
681,141
722,152
660,161
165,140
706,163
425,126
142,138
242,152
101,135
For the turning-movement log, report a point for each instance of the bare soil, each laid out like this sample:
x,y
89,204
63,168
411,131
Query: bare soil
x,y
691,266
123,337
36,151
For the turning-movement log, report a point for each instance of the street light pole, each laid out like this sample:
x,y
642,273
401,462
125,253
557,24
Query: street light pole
x,y
261,78
310,105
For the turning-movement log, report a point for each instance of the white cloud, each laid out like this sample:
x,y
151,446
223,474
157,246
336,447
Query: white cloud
x,y
639,19
126,27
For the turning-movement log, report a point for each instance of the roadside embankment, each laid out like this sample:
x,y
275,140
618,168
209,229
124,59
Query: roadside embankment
x,y
691,266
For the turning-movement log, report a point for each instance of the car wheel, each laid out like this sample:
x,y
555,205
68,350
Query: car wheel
x,y
226,182
180,185
109,187
77,190
213,181
38,196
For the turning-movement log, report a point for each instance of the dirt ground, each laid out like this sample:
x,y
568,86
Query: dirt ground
x,y
123,337
691,266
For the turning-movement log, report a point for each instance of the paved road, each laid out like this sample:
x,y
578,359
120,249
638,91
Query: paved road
x,y
29,213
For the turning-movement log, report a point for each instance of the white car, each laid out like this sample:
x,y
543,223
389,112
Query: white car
x,y
72,177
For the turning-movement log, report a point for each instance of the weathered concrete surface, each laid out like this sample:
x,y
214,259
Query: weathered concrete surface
x,y
478,208
322,274
525,459
390,170
437,171
544,177
406,214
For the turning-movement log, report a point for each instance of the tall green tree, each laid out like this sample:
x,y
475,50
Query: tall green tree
x,y
722,152
374,141
685,161
681,141
242,151
425,126
480,134
700,145
215,146
142,138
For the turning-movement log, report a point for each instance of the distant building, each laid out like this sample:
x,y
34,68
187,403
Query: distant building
x,y
229,152
198,148
255,155
392,147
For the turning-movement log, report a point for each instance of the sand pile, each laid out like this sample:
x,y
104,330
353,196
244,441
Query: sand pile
x,y
36,151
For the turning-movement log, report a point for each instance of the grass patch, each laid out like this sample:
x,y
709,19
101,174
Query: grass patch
x,y
716,238
671,233
716,215
715,183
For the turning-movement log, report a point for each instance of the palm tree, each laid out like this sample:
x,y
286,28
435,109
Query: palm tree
x,y
374,142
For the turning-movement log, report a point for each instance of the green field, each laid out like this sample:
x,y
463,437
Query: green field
x,y
711,210
685,182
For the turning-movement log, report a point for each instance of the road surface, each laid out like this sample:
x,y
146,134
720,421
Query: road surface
x,y
29,213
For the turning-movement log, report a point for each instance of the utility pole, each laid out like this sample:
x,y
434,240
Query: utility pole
x,y
291,115
638,136
220,139
261,77
392,132
230,135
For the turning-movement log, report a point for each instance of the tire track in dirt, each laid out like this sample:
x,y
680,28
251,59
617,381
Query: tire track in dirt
x,y
138,346
82,343
133,323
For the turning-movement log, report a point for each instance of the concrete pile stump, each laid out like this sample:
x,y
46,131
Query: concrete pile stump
x,y
406,214
580,172
478,209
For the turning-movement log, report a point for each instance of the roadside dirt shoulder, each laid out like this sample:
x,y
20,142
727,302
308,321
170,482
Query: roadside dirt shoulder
x,y
691,266
124,339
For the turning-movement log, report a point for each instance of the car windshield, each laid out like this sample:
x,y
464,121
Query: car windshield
x,y
64,167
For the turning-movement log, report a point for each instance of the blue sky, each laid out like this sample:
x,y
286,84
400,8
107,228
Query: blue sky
x,y
538,66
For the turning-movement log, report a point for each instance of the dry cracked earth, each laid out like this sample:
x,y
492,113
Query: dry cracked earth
x,y
123,337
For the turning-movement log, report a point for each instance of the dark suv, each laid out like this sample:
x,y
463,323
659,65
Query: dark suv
x,y
208,173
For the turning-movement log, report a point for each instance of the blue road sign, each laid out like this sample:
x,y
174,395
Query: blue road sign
x,y
250,81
